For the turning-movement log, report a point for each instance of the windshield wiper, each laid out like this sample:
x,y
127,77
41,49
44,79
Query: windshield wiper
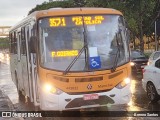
x,y
74,60
113,69
80,52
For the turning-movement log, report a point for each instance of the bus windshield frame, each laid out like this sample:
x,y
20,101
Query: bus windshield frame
x,y
62,37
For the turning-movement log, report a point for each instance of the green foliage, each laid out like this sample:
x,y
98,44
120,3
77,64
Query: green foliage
x,y
96,3
4,43
140,14
55,4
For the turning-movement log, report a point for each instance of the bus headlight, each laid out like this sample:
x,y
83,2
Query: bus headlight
x,y
48,87
123,83
52,89
132,63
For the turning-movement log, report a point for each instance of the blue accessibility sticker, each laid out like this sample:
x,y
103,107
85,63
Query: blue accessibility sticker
x,y
95,62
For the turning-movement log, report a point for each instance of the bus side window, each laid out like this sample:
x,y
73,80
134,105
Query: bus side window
x,y
23,38
27,33
15,43
11,42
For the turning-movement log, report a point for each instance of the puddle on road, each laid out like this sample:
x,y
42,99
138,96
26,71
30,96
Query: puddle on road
x,y
11,92
139,100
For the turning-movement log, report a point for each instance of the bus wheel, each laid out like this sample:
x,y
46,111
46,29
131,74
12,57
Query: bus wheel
x,y
21,96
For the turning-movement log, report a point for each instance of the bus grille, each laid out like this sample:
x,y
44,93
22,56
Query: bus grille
x,y
61,79
78,102
88,79
115,75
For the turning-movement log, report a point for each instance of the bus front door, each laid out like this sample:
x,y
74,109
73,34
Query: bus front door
x,y
24,62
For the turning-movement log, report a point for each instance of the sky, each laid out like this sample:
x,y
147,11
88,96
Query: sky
x,y
12,11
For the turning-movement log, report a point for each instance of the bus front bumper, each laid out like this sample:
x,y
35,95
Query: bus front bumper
x,y
64,101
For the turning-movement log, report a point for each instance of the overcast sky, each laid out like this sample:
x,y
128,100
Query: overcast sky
x,y
12,11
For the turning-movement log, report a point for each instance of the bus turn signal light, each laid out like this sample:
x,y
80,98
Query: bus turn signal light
x,y
123,83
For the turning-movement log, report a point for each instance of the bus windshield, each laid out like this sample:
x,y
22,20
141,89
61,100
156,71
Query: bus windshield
x,y
62,38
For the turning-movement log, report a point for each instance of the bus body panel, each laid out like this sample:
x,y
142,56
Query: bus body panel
x,y
102,80
21,64
73,98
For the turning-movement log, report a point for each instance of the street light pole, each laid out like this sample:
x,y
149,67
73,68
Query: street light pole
x,y
156,44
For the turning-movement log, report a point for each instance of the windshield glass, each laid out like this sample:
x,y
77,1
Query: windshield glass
x,y
137,55
61,39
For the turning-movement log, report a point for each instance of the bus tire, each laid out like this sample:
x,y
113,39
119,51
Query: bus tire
x,y
21,96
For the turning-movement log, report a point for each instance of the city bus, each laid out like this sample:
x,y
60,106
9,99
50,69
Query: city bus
x,y
71,58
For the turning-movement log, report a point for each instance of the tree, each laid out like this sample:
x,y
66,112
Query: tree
x,y
55,4
140,14
4,43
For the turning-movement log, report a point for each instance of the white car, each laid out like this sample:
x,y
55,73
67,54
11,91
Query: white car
x,y
151,80
153,57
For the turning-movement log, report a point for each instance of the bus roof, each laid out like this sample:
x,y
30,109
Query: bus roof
x,y
76,11
67,11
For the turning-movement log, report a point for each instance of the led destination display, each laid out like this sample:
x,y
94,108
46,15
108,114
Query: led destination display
x,y
76,20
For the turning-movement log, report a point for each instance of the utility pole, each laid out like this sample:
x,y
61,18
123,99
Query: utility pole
x,y
156,44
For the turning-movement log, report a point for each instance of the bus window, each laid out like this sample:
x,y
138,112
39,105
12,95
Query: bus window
x,y
23,38
11,42
59,43
15,43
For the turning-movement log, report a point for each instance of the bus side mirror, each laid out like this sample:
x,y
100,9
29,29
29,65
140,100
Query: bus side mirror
x,y
33,44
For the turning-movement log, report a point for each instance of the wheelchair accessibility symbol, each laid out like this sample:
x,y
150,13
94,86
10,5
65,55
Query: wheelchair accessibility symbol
x,y
95,62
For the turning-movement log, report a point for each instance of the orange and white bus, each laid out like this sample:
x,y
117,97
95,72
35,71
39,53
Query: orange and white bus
x,y
71,58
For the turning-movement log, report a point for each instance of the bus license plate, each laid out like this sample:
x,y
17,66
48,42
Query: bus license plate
x,y
90,97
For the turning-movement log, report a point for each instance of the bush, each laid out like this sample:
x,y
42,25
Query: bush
x,y
4,43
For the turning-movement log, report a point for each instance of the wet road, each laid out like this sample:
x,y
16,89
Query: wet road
x,y
139,97
139,100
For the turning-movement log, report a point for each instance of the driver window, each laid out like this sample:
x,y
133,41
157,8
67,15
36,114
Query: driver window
x,y
156,55
157,64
